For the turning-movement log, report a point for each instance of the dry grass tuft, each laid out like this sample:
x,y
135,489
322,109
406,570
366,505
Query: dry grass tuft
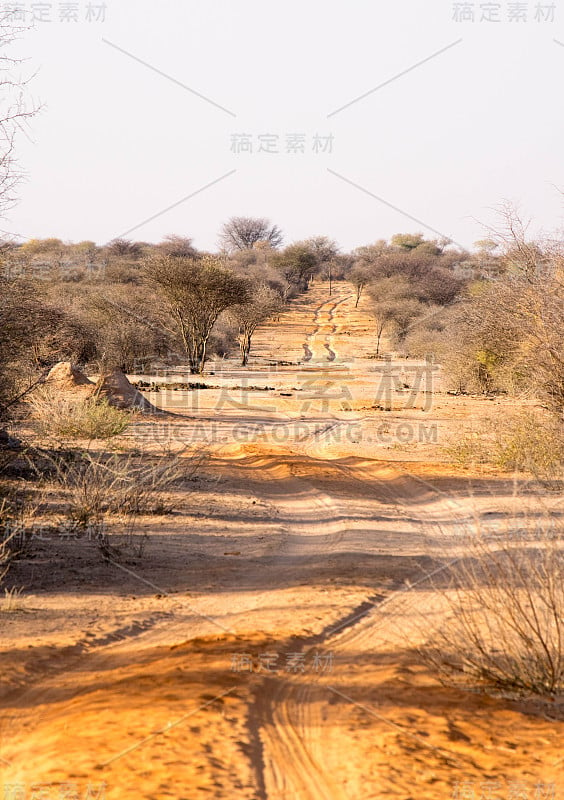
x,y
12,601
77,418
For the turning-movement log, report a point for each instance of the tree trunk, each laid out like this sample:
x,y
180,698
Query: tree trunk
x,y
245,348
203,350
195,360
380,330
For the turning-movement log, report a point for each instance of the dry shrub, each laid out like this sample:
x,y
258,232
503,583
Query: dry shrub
x,y
83,494
505,600
78,418
531,443
527,442
98,484
469,449
103,489
17,512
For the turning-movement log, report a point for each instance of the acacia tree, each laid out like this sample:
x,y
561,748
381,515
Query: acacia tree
x,y
324,248
124,248
392,306
242,233
196,291
407,241
359,277
384,312
248,316
326,253
297,263
178,246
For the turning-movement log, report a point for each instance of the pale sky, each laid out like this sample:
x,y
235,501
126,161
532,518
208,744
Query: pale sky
x,y
118,143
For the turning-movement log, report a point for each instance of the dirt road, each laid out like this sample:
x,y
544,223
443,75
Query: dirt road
x,y
263,646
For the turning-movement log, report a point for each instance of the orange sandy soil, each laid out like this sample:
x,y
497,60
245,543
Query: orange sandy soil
x,y
264,645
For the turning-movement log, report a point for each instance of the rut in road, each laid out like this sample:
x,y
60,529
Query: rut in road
x,y
285,721
310,345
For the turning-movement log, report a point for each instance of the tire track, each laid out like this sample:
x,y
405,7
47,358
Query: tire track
x,y
67,659
286,715
309,347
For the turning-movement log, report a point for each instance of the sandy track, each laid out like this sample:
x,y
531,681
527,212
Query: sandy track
x,y
318,344
336,561
294,718
287,714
